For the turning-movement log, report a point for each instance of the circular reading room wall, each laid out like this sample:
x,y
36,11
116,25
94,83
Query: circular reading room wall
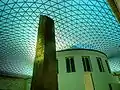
x,y
84,69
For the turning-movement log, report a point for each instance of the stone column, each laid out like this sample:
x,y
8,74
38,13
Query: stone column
x,y
44,71
115,9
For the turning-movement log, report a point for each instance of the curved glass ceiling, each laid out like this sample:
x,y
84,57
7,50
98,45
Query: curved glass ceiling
x,y
86,24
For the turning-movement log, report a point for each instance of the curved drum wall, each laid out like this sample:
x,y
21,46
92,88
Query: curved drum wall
x,y
80,79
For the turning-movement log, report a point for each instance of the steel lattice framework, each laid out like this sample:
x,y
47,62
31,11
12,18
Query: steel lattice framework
x,y
86,24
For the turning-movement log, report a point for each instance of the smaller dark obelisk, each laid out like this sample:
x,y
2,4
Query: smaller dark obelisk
x,y
44,71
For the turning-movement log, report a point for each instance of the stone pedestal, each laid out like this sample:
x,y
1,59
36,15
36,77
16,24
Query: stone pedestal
x,y
44,72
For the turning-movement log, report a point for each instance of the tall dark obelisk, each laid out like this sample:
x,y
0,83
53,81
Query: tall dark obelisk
x,y
44,71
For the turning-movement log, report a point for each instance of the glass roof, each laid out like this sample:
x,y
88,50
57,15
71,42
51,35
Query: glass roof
x,y
86,24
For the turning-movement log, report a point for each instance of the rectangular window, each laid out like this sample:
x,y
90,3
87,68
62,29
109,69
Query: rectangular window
x,y
110,87
70,64
100,64
86,63
108,66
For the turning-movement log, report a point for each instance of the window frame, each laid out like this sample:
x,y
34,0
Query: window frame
x,y
100,64
70,64
108,67
87,64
